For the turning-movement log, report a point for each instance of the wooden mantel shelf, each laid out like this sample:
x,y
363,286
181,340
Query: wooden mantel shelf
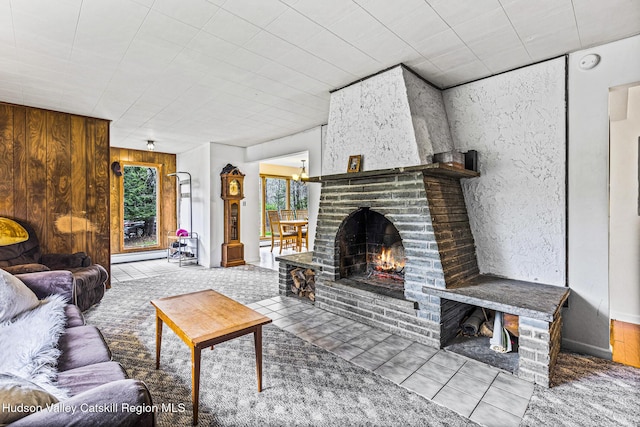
x,y
432,169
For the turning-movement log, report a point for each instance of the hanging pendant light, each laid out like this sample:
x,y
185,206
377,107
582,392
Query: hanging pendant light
x,y
151,145
302,174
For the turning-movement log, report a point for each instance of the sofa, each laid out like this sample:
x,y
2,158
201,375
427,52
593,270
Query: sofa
x,y
55,370
20,253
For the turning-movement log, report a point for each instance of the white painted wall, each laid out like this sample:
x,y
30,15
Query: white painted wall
x,y
624,246
196,163
586,321
516,122
309,141
205,164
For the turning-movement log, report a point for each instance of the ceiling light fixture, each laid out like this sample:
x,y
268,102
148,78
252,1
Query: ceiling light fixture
x,y
302,174
151,145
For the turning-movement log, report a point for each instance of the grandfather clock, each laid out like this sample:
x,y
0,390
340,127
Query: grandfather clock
x,y
232,193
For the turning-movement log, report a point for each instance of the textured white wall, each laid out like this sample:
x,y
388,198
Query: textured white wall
x,y
371,118
516,121
429,118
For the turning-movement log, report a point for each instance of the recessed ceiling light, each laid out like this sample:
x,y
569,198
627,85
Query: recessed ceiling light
x,y
589,61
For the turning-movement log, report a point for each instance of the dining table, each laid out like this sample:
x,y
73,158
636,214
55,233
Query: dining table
x,y
299,225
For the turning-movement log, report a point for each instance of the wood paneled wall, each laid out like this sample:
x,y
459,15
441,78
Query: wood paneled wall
x,y
54,174
167,194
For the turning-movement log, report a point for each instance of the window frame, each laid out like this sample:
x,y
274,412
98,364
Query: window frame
x,y
159,197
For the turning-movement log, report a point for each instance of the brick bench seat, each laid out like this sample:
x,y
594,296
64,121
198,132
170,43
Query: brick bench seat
x,y
532,300
539,308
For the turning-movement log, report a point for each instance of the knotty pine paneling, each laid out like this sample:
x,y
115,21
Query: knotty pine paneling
x,y
166,194
53,174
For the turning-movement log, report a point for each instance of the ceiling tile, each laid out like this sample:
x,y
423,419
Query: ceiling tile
x,y
153,55
600,21
192,12
294,78
354,25
108,28
441,45
333,49
488,33
313,66
268,45
231,28
470,71
258,12
293,27
163,27
6,24
546,28
323,12
369,35
503,60
52,33
212,46
246,60
389,11
546,46
418,25
457,12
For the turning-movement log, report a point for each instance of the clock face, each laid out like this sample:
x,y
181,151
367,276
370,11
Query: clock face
x,y
234,187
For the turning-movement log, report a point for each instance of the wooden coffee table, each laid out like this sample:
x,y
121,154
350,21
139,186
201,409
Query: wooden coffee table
x,y
203,319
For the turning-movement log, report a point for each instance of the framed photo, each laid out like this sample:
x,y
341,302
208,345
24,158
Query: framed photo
x,y
354,163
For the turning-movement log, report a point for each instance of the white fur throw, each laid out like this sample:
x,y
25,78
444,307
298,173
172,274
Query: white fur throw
x,y
28,344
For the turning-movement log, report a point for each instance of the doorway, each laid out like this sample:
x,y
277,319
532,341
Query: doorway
x,y
140,195
624,222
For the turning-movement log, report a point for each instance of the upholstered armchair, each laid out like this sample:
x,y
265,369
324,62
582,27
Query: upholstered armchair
x,y
71,275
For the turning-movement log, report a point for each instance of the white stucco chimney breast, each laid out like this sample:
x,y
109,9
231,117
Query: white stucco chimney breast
x,y
393,119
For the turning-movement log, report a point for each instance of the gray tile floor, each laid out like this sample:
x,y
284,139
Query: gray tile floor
x,y
482,393
141,269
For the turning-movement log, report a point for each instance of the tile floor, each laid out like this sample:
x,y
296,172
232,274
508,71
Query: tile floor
x,y
141,269
480,392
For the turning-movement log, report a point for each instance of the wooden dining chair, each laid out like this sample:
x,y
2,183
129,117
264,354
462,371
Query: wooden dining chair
x,y
282,237
304,214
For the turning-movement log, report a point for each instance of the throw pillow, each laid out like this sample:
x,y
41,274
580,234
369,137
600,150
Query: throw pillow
x,y
15,297
11,232
20,398
26,268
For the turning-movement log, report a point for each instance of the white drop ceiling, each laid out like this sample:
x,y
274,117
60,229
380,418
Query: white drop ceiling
x,y
241,72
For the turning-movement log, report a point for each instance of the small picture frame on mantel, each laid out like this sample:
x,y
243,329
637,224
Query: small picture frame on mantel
x,y
354,163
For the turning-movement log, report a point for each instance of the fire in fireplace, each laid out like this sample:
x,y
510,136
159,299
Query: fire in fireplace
x,y
371,250
388,263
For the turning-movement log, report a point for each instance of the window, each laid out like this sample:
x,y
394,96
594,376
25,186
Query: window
x,y
280,192
140,204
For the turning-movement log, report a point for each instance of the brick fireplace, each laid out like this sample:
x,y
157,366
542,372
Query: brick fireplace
x,y
424,208
415,209
400,196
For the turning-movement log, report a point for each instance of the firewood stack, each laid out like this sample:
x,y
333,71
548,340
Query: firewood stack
x,y
304,283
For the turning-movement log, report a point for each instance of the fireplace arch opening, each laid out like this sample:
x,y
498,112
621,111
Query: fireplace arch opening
x,y
371,250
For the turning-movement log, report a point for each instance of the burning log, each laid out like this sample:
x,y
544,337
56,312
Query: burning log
x,y
304,283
